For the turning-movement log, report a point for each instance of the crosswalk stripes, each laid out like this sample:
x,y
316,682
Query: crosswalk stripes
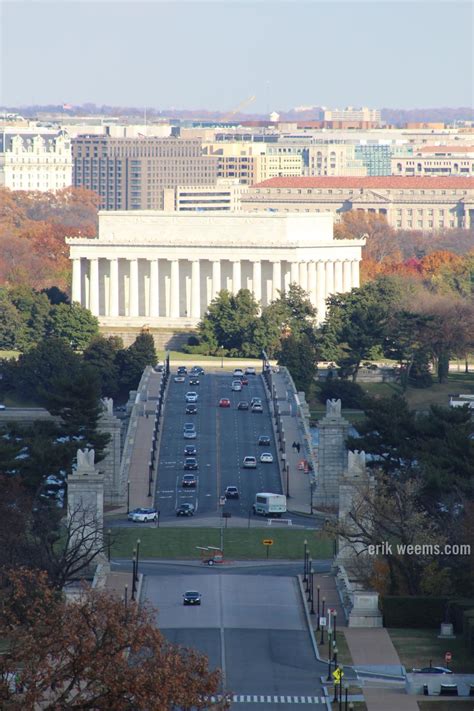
x,y
271,699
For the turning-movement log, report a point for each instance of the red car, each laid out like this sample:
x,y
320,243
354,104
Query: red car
x,y
224,402
244,380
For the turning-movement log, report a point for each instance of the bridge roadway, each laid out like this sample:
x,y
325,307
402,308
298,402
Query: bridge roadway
x,y
250,623
224,437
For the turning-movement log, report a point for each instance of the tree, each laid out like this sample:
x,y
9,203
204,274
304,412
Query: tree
x,y
388,511
292,312
388,434
34,371
101,355
11,323
73,323
103,654
298,354
405,340
133,360
231,322
34,309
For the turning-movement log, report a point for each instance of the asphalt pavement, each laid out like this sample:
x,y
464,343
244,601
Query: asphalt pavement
x,y
224,437
250,626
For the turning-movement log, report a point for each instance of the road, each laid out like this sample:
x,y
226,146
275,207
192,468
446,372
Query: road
x,y
249,625
224,437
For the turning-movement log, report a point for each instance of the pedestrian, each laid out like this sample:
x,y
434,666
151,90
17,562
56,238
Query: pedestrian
x,y
294,445
298,447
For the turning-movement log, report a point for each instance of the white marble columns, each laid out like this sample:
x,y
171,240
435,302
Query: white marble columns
x,y
167,288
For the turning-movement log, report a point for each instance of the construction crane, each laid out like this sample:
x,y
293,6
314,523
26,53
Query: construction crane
x,y
243,104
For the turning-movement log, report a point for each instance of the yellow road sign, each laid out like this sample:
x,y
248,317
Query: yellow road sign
x,y
267,542
337,675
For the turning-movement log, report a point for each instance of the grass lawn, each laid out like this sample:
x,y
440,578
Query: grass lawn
x,y
241,544
416,647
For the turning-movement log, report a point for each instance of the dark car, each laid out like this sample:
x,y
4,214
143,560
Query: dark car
x,y
191,409
190,463
182,370
231,492
189,481
194,381
185,510
196,370
243,405
190,450
264,441
433,670
192,597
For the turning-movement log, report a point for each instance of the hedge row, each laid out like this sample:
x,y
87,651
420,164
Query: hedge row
x,y
426,612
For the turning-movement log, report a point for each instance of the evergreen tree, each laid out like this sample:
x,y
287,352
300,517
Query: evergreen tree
x,y
73,323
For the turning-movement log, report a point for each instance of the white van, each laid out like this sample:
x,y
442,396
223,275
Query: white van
x,y
267,504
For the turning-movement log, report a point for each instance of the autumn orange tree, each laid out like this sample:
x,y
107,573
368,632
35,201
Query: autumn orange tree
x,y
93,653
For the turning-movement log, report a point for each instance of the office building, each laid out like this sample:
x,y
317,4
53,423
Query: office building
x,y
132,173
35,160
407,203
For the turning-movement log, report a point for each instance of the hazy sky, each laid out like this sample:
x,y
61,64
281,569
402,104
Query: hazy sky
x,y
215,54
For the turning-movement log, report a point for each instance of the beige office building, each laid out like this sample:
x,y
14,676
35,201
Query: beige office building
x,y
334,159
408,203
435,160
225,196
35,161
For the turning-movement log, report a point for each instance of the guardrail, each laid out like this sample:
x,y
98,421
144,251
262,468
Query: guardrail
x,y
271,521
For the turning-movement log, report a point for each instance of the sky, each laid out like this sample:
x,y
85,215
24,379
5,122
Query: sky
x,y
214,55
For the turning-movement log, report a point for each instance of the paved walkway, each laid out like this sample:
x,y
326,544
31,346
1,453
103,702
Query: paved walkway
x,y
298,483
389,700
141,452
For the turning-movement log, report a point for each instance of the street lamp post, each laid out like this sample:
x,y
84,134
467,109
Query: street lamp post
x,y
310,563
335,651
329,656
134,554
334,619
311,572
222,356
109,543
318,590
321,641
128,497
287,480
138,556
305,543
250,513
125,597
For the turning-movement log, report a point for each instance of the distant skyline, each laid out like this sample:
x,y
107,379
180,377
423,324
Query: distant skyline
x,y
213,55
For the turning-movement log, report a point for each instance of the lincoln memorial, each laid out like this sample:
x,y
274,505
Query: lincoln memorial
x,y
159,269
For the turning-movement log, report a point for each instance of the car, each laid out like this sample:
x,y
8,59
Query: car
x,y
159,368
224,402
191,396
194,381
191,409
244,380
249,463
192,597
190,463
231,492
266,457
263,441
182,370
237,372
196,370
179,379
243,405
189,481
250,370
144,515
185,510
433,670
236,386
257,407
189,430
255,401
190,450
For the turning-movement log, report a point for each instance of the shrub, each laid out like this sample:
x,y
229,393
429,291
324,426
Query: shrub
x,y
426,612
351,394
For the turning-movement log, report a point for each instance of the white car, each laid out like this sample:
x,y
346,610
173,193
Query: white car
x,y
249,463
179,378
191,396
238,372
266,457
2,407
143,515
236,386
250,371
